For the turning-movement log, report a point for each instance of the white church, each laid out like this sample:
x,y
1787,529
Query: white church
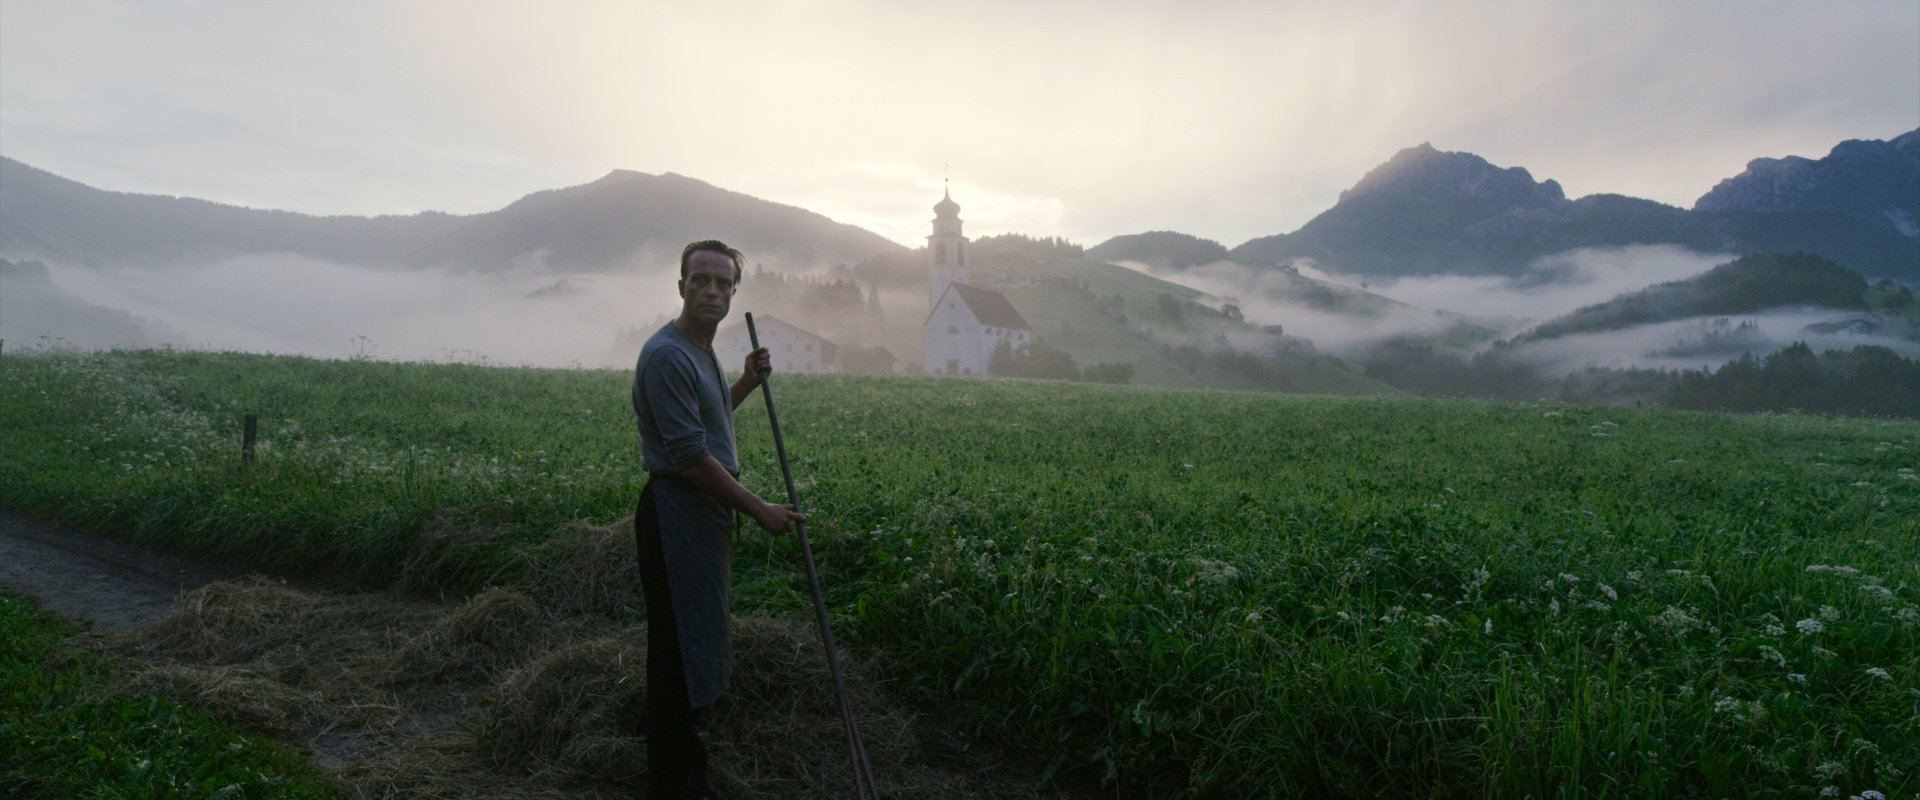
x,y
965,322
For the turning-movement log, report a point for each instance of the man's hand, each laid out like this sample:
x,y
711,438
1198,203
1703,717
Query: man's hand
x,y
777,519
759,365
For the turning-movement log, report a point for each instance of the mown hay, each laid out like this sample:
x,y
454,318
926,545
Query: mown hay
x,y
497,698
573,714
589,569
480,636
231,621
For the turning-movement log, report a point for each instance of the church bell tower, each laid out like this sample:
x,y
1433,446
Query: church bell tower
x,y
947,257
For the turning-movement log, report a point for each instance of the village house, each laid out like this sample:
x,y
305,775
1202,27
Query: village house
x,y
965,323
794,349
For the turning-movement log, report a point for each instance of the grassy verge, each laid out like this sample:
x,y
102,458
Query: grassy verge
x,y
65,731
1185,592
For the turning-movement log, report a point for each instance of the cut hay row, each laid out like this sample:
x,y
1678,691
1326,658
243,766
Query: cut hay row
x,y
496,697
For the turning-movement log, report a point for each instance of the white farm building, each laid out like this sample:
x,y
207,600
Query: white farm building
x,y
793,349
965,322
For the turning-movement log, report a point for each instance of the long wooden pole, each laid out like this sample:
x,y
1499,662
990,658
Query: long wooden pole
x,y
862,771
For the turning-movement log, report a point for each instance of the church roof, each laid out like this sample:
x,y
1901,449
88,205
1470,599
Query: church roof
x,y
991,307
946,207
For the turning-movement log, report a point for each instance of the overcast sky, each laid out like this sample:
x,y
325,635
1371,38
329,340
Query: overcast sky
x,y
1226,120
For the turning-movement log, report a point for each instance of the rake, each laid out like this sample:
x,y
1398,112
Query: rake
x,y
862,771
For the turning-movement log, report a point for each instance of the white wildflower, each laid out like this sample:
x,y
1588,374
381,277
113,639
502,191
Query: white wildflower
x,y
1880,672
1810,626
1207,570
1798,678
1832,568
1488,628
1609,592
1773,629
1773,655
1569,578
1829,613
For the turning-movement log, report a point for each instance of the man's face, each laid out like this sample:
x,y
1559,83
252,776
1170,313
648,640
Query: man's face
x,y
707,292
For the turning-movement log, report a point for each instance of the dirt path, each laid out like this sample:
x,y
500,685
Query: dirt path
x,y
493,697
112,585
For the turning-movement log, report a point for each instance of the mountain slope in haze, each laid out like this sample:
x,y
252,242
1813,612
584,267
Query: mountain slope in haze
x,y
600,226
34,311
1743,286
1100,313
1428,212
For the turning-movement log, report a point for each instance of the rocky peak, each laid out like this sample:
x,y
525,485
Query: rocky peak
x,y
1870,177
1429,173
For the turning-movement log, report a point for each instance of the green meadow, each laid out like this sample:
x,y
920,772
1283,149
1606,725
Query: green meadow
x,y
1186,593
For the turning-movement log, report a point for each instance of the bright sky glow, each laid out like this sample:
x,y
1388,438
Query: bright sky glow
x,y
1222,119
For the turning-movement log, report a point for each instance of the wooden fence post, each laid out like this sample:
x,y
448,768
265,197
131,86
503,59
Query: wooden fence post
x,y
246,440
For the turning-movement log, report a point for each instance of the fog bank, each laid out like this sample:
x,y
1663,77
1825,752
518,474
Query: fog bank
x,y
297,305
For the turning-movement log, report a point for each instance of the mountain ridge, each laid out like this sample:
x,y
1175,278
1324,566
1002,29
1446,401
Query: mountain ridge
x,y
1432,212
603,225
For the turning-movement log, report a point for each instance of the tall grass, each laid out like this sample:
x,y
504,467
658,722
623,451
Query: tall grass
x,y
1186,592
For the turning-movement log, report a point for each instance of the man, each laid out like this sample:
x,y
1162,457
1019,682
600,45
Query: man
x,y
685,514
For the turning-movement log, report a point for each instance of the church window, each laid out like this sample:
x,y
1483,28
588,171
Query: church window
x,y
953,366
953,330
939,254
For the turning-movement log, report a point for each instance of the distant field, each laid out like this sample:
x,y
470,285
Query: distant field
x,y
1188,592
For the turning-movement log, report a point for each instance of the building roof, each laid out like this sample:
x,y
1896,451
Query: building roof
x,y
991,307
760,322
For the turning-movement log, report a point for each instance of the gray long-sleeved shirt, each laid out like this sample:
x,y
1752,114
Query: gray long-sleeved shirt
x,y
683,403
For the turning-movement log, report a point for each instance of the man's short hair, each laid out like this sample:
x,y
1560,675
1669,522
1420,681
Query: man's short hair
x,y
713,246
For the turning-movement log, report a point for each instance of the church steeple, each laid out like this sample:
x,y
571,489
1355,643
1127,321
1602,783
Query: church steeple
x,y
947,258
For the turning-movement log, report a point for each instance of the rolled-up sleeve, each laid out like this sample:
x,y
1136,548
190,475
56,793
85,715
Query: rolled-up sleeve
x,y
670,382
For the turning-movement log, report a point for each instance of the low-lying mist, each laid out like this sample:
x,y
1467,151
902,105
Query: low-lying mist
x,y
1350,315
1552,286
297,305
1706,342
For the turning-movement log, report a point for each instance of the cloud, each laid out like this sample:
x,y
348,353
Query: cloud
x,y
1228,120
1305,307
1552,286
1704,342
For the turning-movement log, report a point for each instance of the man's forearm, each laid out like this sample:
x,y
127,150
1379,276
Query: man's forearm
x,y
743,389
714,481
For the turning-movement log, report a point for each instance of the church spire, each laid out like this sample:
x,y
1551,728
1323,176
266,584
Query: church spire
x,y
947,259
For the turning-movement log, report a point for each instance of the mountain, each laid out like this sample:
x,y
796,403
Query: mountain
x,y
1745,285
601,226
1872,179
1428,212
1159,250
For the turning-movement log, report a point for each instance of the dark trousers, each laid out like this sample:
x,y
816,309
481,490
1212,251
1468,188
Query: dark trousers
x,y
676,760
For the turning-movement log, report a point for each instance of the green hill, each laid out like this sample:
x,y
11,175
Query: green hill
x,y
1745,285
